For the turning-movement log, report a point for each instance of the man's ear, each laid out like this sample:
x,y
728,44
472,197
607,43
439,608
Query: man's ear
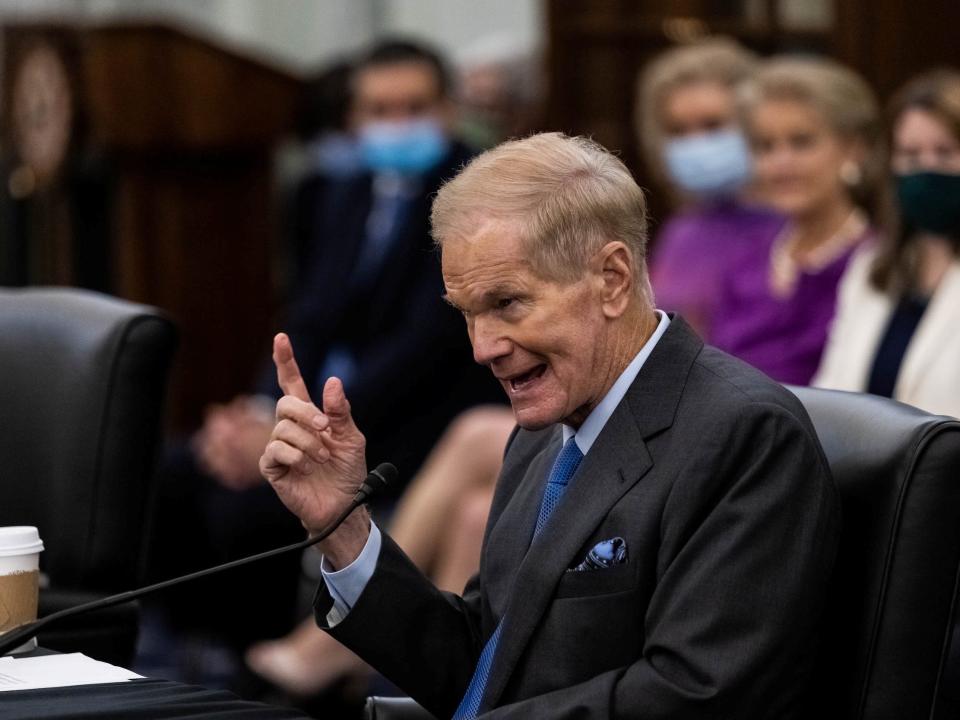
x,y
614,269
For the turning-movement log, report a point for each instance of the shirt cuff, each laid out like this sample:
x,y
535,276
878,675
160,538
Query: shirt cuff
x,y
347,584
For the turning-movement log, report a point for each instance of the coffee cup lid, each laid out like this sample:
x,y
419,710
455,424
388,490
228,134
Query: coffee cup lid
x,y
19,540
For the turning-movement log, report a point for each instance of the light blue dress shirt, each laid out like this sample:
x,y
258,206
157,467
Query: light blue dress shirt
x,y
347,584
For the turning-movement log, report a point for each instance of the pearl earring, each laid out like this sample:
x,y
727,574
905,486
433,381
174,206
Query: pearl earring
x,y
850,173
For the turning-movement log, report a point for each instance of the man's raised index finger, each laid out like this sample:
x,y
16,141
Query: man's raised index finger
x,y
288,373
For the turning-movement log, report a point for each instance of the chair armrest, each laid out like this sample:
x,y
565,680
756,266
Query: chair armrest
x,y
394,708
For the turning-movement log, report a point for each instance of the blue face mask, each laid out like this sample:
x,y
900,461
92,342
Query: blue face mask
x,y
714,164
409,147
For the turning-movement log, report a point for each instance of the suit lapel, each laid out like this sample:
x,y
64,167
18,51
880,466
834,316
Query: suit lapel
x,y
513,529
617,461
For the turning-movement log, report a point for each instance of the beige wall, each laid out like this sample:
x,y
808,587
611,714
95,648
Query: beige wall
x,y
301,34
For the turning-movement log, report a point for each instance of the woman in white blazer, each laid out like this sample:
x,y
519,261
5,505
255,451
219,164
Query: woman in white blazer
x,y
897,328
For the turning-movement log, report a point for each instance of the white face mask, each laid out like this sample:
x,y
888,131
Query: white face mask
x,y
709,164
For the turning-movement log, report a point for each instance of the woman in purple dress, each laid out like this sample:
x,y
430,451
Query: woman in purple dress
x,y
814,130
688,125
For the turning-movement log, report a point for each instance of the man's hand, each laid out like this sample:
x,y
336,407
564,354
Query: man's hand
x,y
315,458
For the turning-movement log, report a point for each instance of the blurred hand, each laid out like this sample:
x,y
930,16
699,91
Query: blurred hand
x,y
231,441
315,459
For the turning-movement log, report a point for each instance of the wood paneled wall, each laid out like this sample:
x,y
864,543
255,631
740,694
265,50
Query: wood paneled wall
x,y
172,137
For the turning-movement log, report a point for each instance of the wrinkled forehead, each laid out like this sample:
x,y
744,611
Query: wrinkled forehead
x,y
479,271
483,240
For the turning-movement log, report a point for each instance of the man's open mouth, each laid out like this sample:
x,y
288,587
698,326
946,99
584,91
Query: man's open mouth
x,y
521,381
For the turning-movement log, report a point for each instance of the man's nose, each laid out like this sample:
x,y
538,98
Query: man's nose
x,y
489,344
399,113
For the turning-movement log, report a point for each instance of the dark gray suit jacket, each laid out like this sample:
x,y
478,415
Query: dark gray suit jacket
x,y
713,475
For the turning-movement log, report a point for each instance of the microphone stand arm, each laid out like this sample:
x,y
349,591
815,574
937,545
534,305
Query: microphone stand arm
x,y
382,475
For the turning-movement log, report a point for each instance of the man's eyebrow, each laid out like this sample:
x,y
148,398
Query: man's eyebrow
x,y
498,291
488,297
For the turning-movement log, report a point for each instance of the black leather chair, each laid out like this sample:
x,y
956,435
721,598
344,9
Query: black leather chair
x,y
892,608
82,383
889,651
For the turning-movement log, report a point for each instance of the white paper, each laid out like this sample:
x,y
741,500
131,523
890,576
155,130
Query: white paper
x,y
65,670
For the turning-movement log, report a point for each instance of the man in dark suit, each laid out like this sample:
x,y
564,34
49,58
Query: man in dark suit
x,y
664,524
368,310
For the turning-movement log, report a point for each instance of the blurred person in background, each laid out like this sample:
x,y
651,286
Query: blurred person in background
x,y
814,130
895,333
499,90
368,310
689,128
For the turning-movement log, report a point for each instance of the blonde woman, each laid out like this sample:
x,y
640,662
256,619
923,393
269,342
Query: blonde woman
x,y
814,130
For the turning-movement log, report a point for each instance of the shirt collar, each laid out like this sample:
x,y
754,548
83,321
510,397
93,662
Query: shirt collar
x,y
598,418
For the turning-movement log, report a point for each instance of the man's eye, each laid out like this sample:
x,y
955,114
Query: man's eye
x,y
504,303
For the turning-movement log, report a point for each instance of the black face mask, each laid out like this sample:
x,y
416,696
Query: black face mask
x,y
930,202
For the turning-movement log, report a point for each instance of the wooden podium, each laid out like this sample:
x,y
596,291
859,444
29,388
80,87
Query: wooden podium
x,y
137,161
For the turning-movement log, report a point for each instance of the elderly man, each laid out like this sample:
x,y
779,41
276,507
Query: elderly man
x,y
664,524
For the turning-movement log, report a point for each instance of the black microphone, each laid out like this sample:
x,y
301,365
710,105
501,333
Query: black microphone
x,y
376,480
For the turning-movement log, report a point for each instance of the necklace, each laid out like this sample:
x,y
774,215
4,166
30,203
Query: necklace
x,y
785,264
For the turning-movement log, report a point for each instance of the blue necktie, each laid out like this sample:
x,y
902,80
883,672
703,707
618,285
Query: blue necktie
x,y
563,469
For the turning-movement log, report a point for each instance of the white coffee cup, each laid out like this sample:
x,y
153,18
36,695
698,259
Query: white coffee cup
x,y
20,548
